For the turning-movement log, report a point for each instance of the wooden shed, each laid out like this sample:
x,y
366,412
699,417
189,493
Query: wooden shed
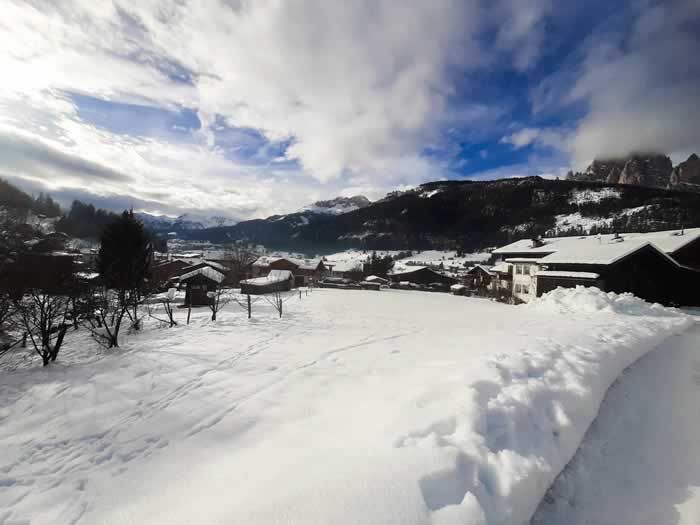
x,y
198,283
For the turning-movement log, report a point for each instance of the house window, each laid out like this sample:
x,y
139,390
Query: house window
x,y
517,288
517,269
526,269
525,288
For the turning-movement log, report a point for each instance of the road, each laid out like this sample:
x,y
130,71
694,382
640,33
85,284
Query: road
x,y
639,463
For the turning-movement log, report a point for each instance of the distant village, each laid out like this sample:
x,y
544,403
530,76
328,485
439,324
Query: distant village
x,y
661,267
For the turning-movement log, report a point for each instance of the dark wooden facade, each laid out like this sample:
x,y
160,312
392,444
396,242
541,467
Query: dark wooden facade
x,y
479,278
646,273
689,255
196,289
423,276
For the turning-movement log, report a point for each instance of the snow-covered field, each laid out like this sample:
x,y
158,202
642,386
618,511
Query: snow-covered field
x,y
389,407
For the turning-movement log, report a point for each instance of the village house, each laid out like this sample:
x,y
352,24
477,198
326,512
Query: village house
x,y
479,277
644,264
502,280
165,271
423,277
275,281
345,269
198,283
305,271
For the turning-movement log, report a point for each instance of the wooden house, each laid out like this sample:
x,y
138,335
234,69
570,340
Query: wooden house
x,y
479,277
502,281
424,277
165,271
305,271
198,283
657,266
275,281
682,245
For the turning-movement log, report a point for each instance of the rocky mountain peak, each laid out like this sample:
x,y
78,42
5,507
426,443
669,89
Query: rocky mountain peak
x,y
641,169
339,205
687,174
646,170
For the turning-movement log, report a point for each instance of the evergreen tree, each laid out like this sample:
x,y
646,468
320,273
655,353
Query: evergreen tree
x,y
378,265
124,264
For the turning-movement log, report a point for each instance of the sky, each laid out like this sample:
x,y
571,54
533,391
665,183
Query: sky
x,y
247,108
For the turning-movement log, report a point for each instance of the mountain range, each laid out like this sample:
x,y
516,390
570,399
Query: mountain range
x,y
642,192
189,222
472,215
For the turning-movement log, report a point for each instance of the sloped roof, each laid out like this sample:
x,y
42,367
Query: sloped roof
x,y
599,253
274,276
206,271
668,241
279,275
304,264
567,275
502,267
485,268
376,278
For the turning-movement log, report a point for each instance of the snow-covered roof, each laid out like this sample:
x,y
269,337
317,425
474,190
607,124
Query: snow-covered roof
x,y
502,267
303,264
274,276
569,275
344,266
215,265
206,271
279,275
265,260
598,253
457,287
376,278
668,241
487,269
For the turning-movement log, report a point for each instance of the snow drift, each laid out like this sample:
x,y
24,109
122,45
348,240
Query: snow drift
x,y
364,407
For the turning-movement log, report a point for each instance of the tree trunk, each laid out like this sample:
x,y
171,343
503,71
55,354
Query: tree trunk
x,y
59,342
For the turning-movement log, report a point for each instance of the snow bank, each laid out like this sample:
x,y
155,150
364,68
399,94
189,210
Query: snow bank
x,y
397,408
589,300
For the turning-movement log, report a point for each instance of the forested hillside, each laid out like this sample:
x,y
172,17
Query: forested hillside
x,y
474,215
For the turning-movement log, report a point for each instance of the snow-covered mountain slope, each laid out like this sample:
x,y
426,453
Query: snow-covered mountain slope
x,y
187,221
476,215
369,407
338,205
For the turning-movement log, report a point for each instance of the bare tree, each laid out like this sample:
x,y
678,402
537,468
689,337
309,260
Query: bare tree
x,y
277,300
109,309
167,303
218,299
45,317
237,259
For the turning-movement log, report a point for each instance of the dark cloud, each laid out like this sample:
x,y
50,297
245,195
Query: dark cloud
x,y
26,156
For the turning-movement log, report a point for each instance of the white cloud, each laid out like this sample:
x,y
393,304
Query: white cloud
x,y
358,88
522,138
639,84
